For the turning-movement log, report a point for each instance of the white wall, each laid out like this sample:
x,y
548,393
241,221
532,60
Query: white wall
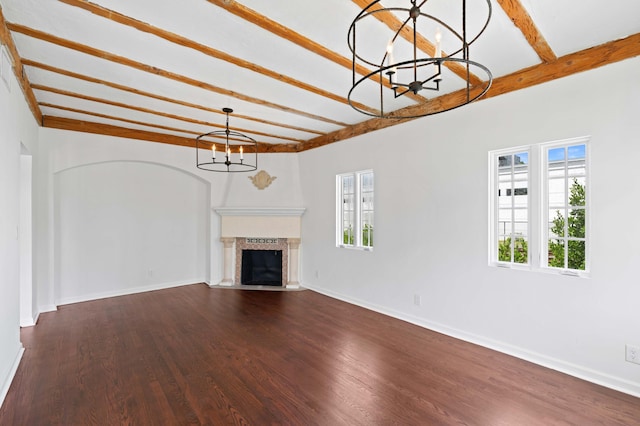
x,y
16,126
27,298
432,216
130,215
128,226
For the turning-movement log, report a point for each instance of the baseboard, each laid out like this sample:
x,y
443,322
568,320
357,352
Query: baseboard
x,y
571,369
47,308
27,322
126,291
12,373
30,322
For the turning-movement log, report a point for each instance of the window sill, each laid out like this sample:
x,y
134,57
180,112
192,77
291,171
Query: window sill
x,y
359,248
544,270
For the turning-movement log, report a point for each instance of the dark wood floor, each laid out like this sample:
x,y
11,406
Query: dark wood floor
x,y
195,355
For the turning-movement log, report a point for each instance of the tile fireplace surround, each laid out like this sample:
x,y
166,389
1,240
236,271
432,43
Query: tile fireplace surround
x,y
260,229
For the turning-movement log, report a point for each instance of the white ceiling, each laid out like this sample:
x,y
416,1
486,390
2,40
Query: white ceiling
x,y
99,89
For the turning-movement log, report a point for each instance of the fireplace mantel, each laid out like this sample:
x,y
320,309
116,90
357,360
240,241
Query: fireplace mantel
x,y
260,211
260,222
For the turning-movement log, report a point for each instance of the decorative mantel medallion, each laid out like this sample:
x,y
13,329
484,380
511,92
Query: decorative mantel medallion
x,y
262,179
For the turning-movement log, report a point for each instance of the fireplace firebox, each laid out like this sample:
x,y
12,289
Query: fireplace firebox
x,y
261,267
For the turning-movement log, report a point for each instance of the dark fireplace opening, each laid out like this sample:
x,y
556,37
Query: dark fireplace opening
x,y
261,267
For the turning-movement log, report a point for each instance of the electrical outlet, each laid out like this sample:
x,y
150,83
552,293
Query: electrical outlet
x,y
632,354
416,299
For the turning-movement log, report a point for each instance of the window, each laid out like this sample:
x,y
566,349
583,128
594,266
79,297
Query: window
x,y
355,209
539,207
565,172
513,207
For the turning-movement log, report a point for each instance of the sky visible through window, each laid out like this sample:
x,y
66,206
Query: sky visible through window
x,y
574,152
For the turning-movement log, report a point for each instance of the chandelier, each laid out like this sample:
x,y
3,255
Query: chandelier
x,y
238,154
404,74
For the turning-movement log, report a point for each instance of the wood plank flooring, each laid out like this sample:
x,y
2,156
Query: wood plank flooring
x,y
195,355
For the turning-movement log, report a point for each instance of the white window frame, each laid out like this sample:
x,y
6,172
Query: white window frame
x,y
538,205
359,206
546,207
495,208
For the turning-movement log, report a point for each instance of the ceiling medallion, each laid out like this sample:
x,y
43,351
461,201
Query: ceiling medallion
x,y
404,72
239,152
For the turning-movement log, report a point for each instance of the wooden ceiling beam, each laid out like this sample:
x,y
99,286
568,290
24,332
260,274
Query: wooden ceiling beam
x,y
126,120
114,118
521,19
30,63
564,66
288,34
18,69
115,131
209,51
123,132
154,112
421,42
30,32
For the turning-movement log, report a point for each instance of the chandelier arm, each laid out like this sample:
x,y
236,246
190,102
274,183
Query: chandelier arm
x,y
381,114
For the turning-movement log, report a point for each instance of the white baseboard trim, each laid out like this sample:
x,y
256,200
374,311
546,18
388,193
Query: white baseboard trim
x,y
47,308
12,373
126,291
27,322
599,378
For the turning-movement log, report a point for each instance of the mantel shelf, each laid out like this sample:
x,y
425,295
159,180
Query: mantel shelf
x,y
259,211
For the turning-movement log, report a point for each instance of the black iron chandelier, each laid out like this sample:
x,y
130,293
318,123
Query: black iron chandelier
x,y
239,153
403,73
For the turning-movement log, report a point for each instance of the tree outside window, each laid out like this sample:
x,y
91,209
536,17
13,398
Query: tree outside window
x,y
574,243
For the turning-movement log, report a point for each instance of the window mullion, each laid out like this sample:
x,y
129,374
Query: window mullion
x,y
566,208
513,210
357,206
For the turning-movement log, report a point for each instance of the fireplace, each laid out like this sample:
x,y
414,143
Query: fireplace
x,y
272,230
249,249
